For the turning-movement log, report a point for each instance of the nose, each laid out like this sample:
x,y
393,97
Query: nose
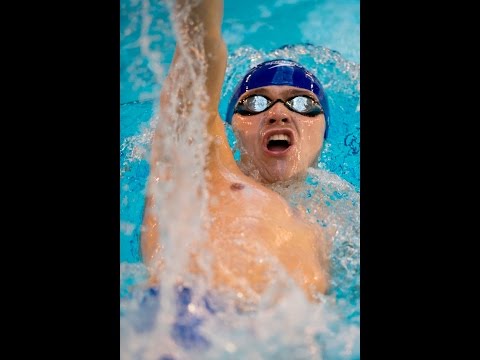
x,y
279,114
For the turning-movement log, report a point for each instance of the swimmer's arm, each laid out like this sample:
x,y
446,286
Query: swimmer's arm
x,y
196,46
207,14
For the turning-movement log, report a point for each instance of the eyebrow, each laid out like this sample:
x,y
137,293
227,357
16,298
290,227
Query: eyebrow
x,y
257,91
298,91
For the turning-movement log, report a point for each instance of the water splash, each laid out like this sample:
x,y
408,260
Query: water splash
x,y
179,187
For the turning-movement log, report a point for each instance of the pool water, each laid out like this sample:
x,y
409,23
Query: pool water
x,y
334,24
323,36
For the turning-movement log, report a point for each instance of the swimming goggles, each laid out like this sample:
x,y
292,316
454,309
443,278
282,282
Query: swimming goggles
x,y
301,104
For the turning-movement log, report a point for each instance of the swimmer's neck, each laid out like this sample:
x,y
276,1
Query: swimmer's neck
x,y
294,181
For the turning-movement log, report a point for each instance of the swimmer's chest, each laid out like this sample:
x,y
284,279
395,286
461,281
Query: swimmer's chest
x,y
242,212
252,229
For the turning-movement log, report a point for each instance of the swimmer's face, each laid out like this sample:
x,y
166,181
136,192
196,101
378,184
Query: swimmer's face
x,y
278,144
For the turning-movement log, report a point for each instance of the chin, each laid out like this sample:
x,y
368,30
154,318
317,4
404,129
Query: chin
x,y
279,177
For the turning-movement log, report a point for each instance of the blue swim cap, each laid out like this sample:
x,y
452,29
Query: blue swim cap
x,y
279,72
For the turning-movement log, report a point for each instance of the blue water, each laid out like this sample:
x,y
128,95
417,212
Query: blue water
x,y
334,24
322,35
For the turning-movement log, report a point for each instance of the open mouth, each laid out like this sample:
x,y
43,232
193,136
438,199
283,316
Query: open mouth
x,y
278,142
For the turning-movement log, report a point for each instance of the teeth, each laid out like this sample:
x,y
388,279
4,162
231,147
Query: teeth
x,y
280,137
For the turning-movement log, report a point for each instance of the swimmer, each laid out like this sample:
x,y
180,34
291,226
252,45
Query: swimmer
x,y
279,113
